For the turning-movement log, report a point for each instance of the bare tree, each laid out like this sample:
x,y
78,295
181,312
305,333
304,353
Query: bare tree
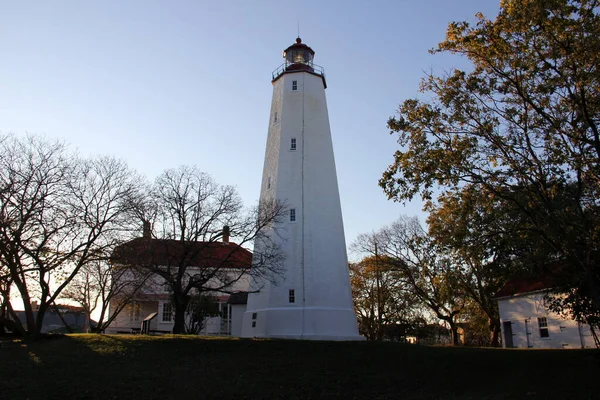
x,y
5,285
100,285
58,213
421,265
190,250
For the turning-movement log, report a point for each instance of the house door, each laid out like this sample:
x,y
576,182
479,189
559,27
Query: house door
x,y
225,319
508,335
528,333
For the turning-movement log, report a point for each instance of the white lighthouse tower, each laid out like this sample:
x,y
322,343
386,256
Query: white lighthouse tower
x,y
313,299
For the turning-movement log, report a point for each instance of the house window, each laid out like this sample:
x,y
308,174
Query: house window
x,y
254,320
135,311
292,215
294,85
293,143
292,296
167,312
543,325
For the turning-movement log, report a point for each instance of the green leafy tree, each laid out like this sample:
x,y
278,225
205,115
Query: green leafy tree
x,y
521,124
482,238
381,299
200,308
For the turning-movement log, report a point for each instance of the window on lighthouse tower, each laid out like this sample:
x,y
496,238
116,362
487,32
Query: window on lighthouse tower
x,y
292,215
294,85
293,144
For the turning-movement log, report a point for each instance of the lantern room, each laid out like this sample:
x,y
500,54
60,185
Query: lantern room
x,y
300,54
299,58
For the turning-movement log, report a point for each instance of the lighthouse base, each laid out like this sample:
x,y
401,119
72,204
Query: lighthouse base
x,y
301,323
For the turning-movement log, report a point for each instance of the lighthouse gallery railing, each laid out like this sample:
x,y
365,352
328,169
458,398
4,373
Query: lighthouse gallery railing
x,y
313,68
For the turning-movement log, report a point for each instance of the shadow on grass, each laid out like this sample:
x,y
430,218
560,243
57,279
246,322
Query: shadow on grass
x,y
146,367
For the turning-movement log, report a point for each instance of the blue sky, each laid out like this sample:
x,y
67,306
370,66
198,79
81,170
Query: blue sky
x,y
165,83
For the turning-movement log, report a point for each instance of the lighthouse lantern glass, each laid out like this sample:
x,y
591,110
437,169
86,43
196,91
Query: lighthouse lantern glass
x,y
299,56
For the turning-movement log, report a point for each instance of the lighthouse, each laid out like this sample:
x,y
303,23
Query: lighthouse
x,y
312,299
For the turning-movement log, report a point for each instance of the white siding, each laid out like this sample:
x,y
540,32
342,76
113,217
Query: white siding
x,y
523,311
155,287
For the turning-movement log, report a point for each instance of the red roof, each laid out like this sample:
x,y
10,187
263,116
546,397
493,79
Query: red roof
x,y
146,251
524,285
546,278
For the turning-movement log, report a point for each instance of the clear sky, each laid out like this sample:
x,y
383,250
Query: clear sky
x,y
165,83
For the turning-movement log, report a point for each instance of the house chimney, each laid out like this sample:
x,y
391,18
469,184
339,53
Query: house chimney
x,y
226,234
147,233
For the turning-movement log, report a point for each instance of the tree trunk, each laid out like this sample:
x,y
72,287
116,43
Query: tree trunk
x,y
180,303
454,333
3,313
495,339
39,322
62,318
30,319
14,325
379,328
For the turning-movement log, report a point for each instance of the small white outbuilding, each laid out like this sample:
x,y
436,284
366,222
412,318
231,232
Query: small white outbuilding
x,y
527,322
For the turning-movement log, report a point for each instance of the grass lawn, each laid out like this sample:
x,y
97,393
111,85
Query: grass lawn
x,y
178,367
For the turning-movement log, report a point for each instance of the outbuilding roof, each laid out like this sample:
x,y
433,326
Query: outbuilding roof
x,y
546,278
522,285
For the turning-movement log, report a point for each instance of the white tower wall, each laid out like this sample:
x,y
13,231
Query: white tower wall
x,y
316,265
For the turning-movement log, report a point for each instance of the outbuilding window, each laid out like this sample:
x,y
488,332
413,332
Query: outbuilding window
x,y
543,325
